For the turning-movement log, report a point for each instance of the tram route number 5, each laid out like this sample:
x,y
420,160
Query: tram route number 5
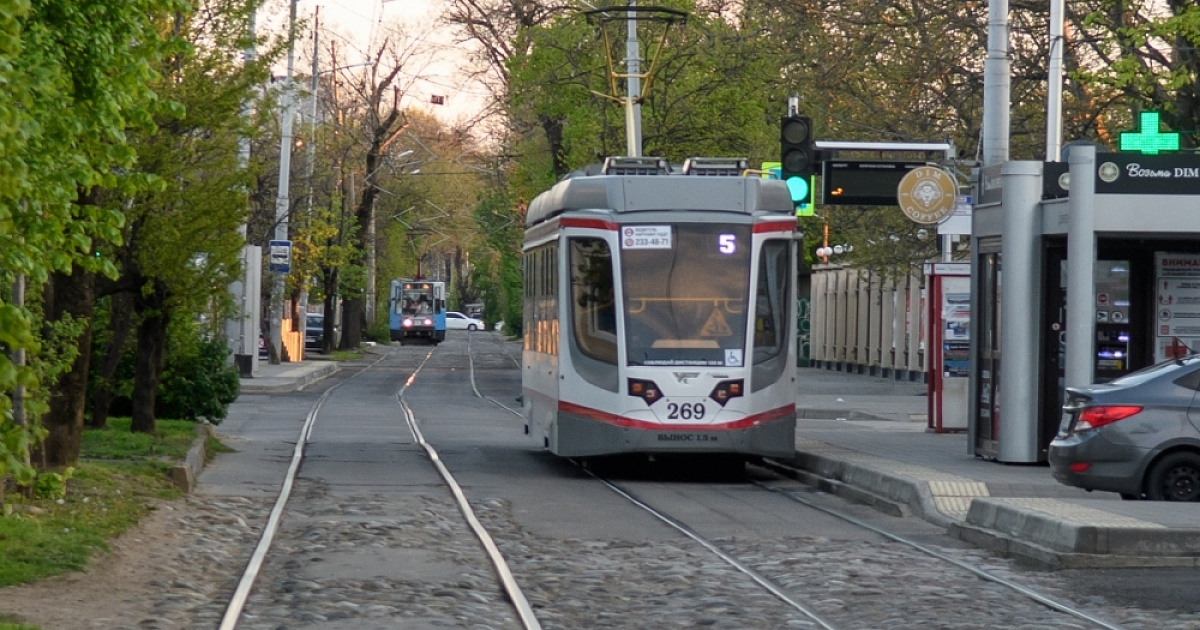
x,y
685,411
727,244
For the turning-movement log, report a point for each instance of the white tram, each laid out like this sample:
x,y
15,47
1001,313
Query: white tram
x,y
660,311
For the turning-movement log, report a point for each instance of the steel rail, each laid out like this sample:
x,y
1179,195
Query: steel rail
x,y
238,602
513,590
734,562
1024,590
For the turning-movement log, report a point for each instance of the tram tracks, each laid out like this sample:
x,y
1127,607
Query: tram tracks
x,y
235,608
792,600
785,591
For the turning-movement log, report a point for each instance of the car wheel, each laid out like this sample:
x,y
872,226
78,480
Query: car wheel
x,y
1175,477
472,327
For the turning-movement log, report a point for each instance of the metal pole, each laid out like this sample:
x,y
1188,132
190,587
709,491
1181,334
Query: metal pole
x,y
633,106
282,200
238,329
312,111
996,86
1054,83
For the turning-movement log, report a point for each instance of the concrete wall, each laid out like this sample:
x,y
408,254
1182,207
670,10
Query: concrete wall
x,y
868,324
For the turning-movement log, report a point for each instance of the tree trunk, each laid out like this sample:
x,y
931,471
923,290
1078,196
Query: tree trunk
x,y
68,295
329,279
354,317
151,352
120,323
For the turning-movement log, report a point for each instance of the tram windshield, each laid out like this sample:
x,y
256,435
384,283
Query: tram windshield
x,y
686,289
416,300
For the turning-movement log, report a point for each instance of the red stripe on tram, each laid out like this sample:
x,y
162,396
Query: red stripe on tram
x,y
775,226
630,423
597,224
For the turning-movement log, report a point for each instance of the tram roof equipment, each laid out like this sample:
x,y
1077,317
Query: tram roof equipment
x,y
635,184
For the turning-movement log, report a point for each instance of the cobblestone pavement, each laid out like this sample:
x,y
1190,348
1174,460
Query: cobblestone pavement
x,y
572,583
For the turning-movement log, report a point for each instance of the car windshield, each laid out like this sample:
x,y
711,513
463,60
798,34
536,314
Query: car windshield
x,y
315,321
1164,369
686,290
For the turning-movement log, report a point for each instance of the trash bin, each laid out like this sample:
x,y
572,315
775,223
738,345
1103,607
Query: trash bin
x,y
245,365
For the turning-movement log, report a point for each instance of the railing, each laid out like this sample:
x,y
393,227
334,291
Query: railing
x,y
866,323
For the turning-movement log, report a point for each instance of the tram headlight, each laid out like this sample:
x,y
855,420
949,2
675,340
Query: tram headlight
x,y
428,322
646,390
726,390
407,323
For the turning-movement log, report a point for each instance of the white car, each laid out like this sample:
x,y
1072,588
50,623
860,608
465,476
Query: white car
x,y
458,321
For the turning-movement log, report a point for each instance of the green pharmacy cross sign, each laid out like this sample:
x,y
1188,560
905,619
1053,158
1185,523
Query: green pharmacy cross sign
x,y
1148,139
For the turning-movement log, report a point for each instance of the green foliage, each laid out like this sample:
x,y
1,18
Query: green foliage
x,y
76,75
1145,58
198,383
52,485
706,98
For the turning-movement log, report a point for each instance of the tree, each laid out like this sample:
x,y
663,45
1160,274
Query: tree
x,y
76,75
1139,55
182,241
378,88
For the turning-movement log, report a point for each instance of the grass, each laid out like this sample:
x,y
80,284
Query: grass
x,y
345,355
119,476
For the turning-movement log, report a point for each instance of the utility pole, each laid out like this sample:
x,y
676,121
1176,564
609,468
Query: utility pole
x,y
996,86
242,330
282,200
1054,83
633,86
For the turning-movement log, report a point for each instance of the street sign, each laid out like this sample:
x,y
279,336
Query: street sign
x,y
280,256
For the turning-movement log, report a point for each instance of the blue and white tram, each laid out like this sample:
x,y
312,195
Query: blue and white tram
x,y
417,311
659,311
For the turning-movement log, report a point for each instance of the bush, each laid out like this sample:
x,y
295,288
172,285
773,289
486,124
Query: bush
x,y
198,383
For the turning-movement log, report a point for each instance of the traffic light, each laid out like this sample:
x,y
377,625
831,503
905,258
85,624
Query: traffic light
x,y
798,157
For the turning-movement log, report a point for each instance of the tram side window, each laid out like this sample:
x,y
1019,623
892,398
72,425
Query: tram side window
x,y
771,299
593,311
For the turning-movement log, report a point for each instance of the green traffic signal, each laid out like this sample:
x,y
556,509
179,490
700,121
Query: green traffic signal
x,y
798,189
797,157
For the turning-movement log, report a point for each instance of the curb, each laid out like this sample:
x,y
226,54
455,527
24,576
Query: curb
x,y
1033,537
280,385
846,478
185,473
811,413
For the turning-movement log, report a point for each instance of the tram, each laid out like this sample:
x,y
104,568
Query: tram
x,y
659,311
417,311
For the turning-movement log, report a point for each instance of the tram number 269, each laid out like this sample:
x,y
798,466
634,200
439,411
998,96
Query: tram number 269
x,y
685,411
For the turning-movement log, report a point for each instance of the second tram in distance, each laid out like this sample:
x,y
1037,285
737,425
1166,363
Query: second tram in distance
x,y
659,311
417,311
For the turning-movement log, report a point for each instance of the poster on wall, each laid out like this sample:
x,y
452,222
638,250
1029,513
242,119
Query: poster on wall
x,y
956,326
1177,305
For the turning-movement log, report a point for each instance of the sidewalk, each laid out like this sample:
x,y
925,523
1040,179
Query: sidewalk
x,y
865,438
286,377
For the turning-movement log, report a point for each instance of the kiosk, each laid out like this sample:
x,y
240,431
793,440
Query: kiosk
x,y
1082,272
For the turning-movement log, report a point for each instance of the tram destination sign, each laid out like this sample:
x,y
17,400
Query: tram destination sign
x,y
1134,174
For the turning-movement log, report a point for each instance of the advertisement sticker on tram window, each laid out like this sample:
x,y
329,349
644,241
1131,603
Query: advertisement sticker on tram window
x,y
646,237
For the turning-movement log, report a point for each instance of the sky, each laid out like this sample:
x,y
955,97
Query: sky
x,y
358,23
